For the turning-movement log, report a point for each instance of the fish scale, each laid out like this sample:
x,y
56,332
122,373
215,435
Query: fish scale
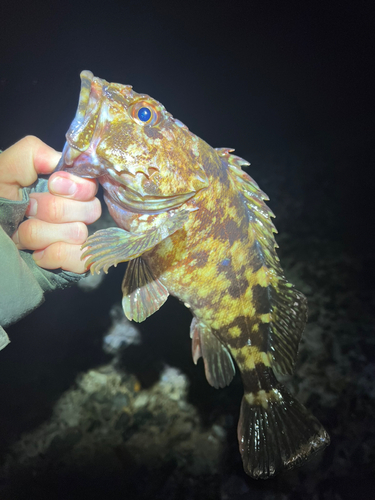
x,y
193,224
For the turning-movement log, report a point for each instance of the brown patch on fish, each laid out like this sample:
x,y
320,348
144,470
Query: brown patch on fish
x,y
238,287
153,133
261,298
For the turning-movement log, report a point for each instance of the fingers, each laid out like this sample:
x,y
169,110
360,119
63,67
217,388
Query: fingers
x,y
61,255
71,186
56,226
21,163
35,234
57,210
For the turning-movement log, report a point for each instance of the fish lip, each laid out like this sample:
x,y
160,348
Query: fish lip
x,y
135,201
87,78
79,163
87,114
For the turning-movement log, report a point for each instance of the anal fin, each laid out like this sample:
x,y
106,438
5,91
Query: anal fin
x,y
218,364
143,294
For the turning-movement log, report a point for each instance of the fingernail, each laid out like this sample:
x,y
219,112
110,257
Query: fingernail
x,y
32,208
37,255
62,185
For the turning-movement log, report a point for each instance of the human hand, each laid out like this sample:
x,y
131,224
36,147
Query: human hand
x,y
56,225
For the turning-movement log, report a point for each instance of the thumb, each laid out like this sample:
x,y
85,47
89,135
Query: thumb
x,y
21,163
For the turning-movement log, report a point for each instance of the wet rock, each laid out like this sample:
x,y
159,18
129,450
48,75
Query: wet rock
x,y
218,431
120,401
123,421
142,417
91,281
100,397
129,432
121,334
61,444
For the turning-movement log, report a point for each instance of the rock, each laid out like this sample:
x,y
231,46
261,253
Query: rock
x,y
63,443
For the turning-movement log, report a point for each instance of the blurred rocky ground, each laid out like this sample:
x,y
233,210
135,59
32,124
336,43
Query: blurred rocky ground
x,y
101,408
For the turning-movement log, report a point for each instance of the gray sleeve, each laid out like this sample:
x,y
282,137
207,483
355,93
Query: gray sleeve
x,y
4,339
22,281
20,292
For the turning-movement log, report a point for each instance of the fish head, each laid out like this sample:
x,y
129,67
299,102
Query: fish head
x,y
145,159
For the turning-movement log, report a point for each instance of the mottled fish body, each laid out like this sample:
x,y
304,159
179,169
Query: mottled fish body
x,y
194,225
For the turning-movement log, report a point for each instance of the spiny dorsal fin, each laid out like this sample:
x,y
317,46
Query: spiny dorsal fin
x,y
233,160
287,306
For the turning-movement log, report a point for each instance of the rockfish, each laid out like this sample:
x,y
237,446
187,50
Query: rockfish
x,y
193,224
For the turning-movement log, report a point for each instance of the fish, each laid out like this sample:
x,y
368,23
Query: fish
x,y
193,224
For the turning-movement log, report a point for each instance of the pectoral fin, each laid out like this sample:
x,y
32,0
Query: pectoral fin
x,y
143,294
218,363
108,247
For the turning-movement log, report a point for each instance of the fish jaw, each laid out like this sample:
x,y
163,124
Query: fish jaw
x,y
81,164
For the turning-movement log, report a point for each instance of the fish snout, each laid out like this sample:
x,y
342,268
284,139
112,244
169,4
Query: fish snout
x,y
78,163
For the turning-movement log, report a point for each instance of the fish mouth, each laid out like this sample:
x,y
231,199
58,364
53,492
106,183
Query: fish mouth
x,y
148,204
132,199
83,126
126,189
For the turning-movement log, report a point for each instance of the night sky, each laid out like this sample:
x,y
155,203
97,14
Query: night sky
x,y
289,85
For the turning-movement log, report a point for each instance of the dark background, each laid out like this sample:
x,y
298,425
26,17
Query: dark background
x,y
289,85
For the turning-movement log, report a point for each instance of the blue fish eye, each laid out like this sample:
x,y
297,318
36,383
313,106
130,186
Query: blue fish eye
x,y
144,114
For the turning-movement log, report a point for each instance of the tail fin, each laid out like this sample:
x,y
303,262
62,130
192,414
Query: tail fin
x,y
276,432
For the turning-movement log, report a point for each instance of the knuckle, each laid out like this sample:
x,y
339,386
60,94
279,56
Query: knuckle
x,y
93,211
65,257
60,252
29,233
97,208
31,141
87,189
80,232
56,209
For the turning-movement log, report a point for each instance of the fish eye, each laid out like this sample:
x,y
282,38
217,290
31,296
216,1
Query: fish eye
x,y
144,114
